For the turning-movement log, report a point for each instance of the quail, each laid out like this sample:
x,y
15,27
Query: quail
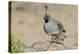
x,y
52,27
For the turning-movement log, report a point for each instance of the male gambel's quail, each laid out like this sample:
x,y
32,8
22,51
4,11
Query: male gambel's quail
x,y
52,27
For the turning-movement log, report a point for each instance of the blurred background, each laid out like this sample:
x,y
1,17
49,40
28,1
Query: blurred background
x,y
27,21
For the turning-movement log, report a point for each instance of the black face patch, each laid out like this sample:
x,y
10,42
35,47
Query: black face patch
x,y
46,20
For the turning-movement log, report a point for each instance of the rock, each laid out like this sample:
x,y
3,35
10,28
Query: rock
x,y
41,46
55,46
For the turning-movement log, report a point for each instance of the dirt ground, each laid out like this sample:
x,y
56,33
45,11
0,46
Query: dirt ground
x,y
27,21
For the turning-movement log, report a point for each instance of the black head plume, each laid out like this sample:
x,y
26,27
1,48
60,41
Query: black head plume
x,y
46,9
46,16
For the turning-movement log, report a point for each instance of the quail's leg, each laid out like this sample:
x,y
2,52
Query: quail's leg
x,y
55,41
52,39
60,36
55,36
